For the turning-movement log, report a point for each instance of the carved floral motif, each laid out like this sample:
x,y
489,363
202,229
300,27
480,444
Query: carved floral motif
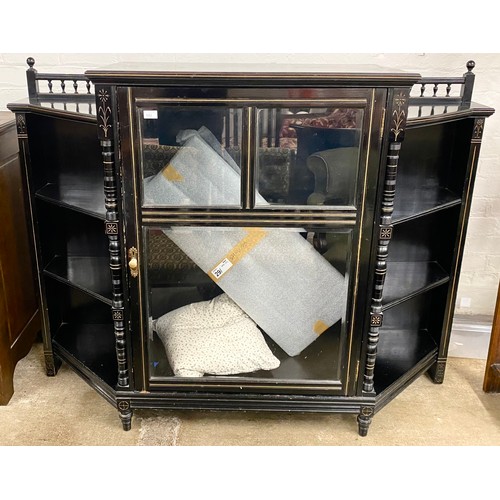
x,y
478,129
104,112
21,124
398,115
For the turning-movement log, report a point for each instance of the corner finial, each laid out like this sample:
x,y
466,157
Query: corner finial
x,y
470,66
31,62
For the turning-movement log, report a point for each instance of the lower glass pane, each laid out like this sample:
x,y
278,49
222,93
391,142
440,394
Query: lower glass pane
x,y
256,303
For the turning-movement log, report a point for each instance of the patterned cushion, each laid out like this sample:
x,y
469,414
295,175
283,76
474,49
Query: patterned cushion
x,y
213,337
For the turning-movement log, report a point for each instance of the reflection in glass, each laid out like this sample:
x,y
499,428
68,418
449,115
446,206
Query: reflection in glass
x,y
190,156
307,156
253,302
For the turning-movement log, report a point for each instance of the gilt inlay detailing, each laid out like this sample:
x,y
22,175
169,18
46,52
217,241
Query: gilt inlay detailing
x,y
399,116
123,405
21,124
111,228
385,232
376,319
367,411
103,111
364,419
478,129
399,113
117,315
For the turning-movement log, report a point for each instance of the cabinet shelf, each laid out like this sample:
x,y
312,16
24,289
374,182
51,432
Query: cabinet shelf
x,y
92,345
404,280
89,274
398,351
416,202
318,363
88,199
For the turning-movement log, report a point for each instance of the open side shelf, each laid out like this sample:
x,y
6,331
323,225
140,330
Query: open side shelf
x,y
81,326
432,169
414,202
398,352
88,199
92,345
90,274
69,236
411,332
406,279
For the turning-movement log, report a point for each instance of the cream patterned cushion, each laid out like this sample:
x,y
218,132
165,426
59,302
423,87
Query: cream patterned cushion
x,y
213,337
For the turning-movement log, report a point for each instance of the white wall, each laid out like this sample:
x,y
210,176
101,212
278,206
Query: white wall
x,y
481,264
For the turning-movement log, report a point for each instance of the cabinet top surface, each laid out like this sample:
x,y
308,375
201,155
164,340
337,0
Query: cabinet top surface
x,y
148,73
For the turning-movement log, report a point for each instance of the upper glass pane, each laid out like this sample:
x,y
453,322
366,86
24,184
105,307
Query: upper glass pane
x,y
190,155
307,156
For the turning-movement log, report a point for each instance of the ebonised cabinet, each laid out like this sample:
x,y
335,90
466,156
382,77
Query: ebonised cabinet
x,y
234,239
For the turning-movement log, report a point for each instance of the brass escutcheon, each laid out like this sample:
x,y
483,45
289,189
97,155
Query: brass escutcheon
x,y
132,263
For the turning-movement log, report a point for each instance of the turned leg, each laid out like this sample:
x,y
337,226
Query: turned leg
x,y
364,420
436,371
125,413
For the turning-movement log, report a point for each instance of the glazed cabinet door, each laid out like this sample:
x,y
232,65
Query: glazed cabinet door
x,y
249,216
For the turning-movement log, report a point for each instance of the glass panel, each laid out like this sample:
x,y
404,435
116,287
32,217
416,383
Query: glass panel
x,y
254,303
307,156
190,155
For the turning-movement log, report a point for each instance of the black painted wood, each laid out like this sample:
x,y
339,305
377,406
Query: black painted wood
x,y
396,124
397,320
406,279
54,86
87,199
92,345
90,274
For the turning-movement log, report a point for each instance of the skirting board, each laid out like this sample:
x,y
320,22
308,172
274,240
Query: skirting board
x,y
470,336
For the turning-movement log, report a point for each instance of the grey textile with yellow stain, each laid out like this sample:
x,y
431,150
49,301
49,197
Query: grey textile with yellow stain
x,y
273,274
196,176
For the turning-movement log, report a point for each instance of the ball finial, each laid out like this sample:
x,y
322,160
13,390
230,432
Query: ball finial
x,y
31,62
470,65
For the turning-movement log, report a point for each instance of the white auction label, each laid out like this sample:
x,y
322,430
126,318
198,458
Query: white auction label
x,y
224,266
150,114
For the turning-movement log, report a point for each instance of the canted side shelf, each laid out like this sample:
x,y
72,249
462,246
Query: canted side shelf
x,y
90,345
410,333
88,199
81,327
89,274
406,279
411,203
398,352
420,255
